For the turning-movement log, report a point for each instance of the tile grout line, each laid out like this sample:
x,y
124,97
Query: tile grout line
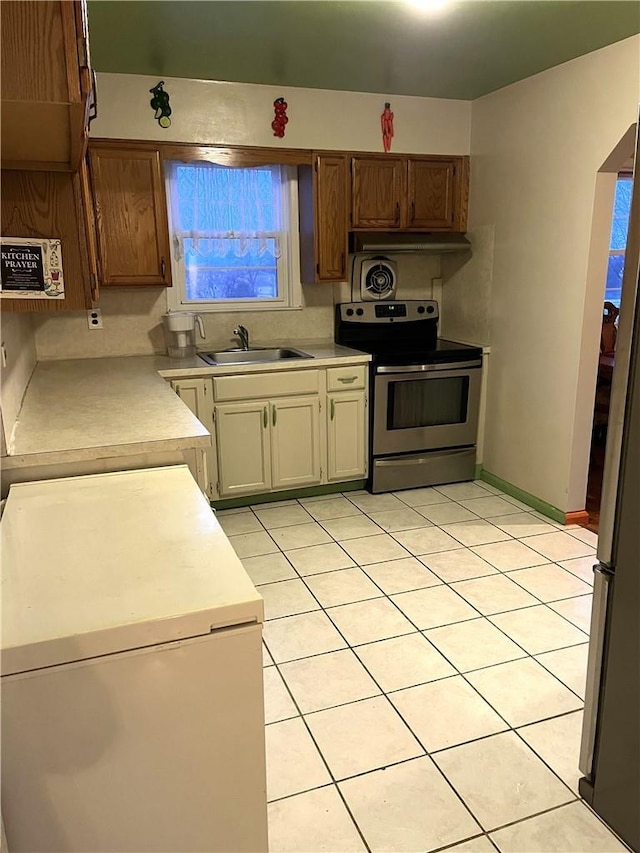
x,y
385,693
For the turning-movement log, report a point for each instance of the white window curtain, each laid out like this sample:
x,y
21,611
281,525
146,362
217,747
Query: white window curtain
x,y
222,211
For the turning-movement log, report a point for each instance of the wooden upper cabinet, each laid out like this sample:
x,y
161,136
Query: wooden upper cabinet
x,y
41,204
409,193
430,194
323,219
331,229
377,190
131,215
46,84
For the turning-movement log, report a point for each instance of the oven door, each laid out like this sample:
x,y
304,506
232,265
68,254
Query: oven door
x,y
425,406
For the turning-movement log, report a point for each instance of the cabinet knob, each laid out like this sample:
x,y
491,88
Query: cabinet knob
x,y
163,267
397,213
274,419
265,418
333,409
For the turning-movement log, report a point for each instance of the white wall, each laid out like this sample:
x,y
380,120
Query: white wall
x,y
536,149
19,344
206,111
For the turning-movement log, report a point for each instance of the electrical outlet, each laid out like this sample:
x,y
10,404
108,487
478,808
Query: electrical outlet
x,y
94,318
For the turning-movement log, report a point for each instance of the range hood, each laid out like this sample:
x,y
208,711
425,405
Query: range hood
x,y
388,241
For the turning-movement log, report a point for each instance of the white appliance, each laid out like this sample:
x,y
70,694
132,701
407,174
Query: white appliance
x,y
374,277
133,714
180,333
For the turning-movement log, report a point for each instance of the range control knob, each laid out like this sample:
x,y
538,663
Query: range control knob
x,y
430,309
420,309
349,312
359,312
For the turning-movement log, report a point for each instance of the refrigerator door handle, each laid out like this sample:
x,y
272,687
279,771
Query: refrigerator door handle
x,y
601,588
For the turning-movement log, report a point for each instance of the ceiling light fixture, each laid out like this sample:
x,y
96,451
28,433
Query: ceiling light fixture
x,y
429,5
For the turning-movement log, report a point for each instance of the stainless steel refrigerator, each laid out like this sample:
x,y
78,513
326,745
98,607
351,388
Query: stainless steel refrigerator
x,y
610,752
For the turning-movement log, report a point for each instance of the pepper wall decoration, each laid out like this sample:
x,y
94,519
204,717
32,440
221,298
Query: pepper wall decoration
x,y
280,120
386,124
160,103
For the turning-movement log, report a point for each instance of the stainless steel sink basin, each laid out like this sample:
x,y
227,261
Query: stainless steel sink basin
x,y
255,355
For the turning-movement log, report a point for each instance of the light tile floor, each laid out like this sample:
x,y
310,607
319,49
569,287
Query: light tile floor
x,y
425,657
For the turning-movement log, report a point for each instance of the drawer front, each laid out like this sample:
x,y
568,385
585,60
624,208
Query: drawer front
x,y
345,378
265,385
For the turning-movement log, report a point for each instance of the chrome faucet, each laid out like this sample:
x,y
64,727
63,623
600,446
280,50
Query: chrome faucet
x,y
243,334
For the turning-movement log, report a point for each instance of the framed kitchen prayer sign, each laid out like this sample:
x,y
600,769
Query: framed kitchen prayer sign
x,y
31,268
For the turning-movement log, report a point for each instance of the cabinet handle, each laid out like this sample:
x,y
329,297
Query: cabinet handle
x,y
347,379
265,417
93,109
343,268
163,267
274,416
397,220
413,210
333,409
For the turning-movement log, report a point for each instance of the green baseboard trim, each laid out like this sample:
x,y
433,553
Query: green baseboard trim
x,y
530,500
290,494
478,470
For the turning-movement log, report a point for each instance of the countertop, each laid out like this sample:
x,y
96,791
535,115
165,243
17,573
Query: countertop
x,y
85,409
325,354
161,568
91,408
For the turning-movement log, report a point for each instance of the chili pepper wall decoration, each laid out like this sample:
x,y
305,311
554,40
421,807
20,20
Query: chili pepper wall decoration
x,y
160,103
280,120
386,123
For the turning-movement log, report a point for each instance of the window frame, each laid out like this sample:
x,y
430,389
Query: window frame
x,y
289,291
616,253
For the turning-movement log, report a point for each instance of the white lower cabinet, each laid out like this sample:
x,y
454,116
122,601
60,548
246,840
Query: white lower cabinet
x,y
283,439
295,442
244,448
265,446
197,395
346,436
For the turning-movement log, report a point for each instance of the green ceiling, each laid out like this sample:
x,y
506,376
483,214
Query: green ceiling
x,y
471,48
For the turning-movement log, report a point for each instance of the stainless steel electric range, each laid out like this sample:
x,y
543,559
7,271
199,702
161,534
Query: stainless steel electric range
x,y
424,393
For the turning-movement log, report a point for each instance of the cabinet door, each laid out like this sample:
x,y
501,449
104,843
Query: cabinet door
x,y
377,190
323,209
295,442
431,194
346,436
197,395
131,214
243,444
45,73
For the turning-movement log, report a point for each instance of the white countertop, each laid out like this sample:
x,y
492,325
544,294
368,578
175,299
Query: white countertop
x,y
86,409
109,562
92,408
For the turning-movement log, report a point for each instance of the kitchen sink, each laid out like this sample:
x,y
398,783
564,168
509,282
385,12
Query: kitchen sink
x,y
255,355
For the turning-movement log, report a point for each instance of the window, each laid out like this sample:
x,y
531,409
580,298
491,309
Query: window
x,y
234,237
618,241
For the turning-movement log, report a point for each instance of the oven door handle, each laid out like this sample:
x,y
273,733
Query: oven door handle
x,y
428,368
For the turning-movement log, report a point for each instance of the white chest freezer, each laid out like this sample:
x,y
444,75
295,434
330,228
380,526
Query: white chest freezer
x,y
132,703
